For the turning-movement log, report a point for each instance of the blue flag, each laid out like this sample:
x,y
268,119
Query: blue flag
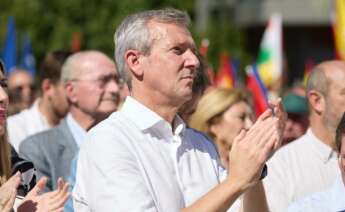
x,y
27,58
9,51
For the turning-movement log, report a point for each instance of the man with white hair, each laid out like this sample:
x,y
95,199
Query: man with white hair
x,y
92,87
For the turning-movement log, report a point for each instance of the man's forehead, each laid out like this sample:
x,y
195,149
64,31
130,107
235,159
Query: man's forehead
x,y
94,71
170,32
104,71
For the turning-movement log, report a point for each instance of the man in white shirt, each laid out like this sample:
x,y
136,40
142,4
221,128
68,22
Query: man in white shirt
x,y
142,158
50,107
309,164
92,87
332,199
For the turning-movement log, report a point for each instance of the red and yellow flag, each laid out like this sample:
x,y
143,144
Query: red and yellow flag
x,y
339,29
225,76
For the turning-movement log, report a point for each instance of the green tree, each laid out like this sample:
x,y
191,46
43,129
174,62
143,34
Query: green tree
x,y
51,24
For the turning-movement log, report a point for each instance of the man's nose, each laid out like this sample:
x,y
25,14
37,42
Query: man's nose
x,y
192,61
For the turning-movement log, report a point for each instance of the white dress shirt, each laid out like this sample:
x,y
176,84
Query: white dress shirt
x,y
25,123
300,168
134,161
330,200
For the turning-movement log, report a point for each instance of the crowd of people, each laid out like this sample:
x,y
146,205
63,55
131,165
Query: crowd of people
x,y
148,132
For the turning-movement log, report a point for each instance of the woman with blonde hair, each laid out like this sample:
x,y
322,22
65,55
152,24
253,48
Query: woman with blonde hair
x,y
33,201
221,114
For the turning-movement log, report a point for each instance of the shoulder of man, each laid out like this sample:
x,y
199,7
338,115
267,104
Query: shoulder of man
x,y
201,140
293,149
21,116
42,139
281,177
202,137
112,127
17,121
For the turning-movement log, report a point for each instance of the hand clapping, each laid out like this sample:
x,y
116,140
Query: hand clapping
x,y
250,150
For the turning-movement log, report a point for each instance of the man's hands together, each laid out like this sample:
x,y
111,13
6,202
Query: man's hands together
x,y
251,149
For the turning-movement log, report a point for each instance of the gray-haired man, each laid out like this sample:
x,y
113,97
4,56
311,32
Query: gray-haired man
x,y
143,158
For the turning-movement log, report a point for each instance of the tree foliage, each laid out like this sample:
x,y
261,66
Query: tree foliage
x,y
51,24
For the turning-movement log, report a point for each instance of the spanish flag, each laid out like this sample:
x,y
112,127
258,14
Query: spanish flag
x,y
257,89
226,75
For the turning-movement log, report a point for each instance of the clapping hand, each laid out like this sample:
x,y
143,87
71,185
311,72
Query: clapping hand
x,y
51,201
8,192
251,149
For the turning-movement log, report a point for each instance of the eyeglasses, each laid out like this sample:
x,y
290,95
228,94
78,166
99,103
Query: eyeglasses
x,y
102,81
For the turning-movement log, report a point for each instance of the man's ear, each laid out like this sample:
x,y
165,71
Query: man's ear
x,y
46,86
316,101
70,92
132,58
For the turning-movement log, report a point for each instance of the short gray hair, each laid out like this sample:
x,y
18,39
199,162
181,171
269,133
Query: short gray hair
x,y
133,33
318,81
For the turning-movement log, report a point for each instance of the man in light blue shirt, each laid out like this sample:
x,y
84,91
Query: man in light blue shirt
x,y
332,199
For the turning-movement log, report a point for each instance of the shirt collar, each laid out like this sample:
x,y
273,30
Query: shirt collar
x,y
179,126
142,116
145,118
77,131
325,152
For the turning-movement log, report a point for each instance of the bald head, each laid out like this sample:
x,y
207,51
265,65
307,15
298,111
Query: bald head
x,y
92,86
326,96
82,62
324,74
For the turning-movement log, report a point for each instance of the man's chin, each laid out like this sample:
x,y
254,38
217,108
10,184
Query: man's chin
x,y
108,108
